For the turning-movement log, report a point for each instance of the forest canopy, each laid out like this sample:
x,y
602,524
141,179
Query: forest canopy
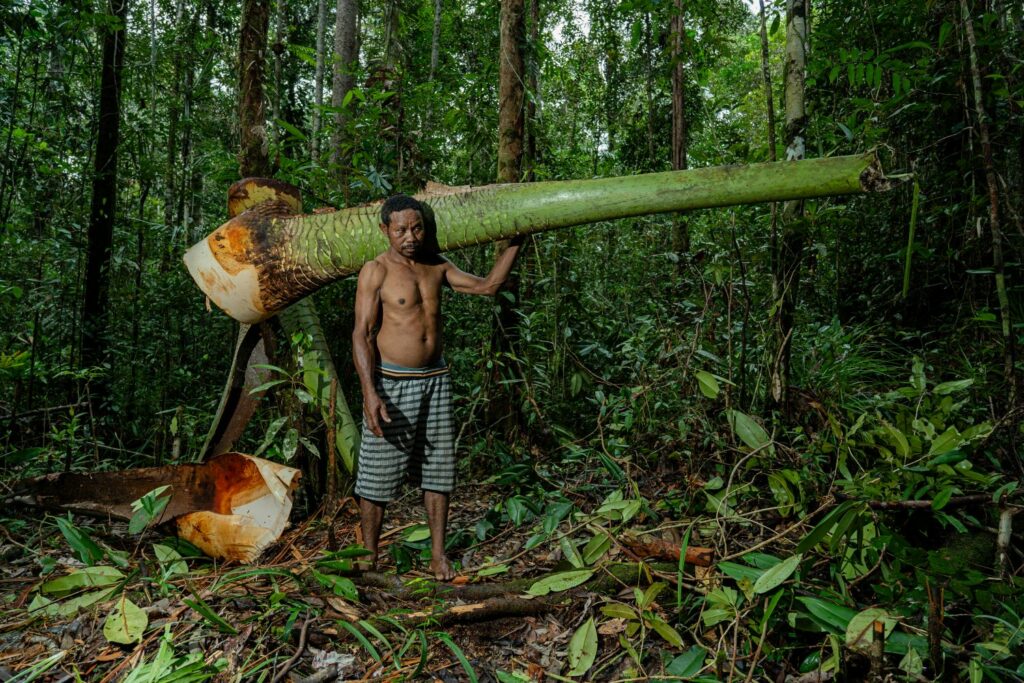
x,y
821,398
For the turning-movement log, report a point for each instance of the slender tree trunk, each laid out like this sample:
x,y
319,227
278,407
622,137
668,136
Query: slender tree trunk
x,y
998,264
318,80
104,194
278,49
346,58
435,43
680,228
769,101
253,158
786,278
652,161
511,131
532,110
511,125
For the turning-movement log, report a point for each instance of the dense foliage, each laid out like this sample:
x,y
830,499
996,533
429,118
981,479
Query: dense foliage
x,y
643,367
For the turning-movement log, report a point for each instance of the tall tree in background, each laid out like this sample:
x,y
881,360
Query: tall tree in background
x,y
511,132
346,57
680,229
318,80
435,41
786,274
998,261
254,157
104,190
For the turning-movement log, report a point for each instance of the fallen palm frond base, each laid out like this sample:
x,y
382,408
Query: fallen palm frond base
x,y
231,507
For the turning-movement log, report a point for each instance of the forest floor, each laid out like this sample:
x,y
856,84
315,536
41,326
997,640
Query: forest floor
x,y
294,616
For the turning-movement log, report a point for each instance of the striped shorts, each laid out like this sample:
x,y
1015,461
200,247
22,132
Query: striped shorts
x,y
418,443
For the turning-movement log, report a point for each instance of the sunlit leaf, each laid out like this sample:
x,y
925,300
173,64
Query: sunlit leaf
x,y
583,648
560,582
774,576
126,623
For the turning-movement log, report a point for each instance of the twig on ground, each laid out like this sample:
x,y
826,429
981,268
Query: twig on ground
x,y
298,651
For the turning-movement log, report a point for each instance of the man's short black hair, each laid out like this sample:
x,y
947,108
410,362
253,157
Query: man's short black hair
x,y
398,202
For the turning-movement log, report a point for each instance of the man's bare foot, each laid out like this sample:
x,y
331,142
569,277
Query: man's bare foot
x,y
441,569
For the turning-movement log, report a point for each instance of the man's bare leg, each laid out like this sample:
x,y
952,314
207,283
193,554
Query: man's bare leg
x,y
371,516
437,519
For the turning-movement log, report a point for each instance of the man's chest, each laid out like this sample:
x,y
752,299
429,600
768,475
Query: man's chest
x,y
406,287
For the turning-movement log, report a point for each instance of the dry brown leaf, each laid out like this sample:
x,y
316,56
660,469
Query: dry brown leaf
x,y
612,627
347,611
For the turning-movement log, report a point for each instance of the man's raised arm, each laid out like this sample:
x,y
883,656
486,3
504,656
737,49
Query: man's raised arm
x,y
467,283
364,343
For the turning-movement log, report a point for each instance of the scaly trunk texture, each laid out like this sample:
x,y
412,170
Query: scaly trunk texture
x,y
253,159
104,192
265,259
786,278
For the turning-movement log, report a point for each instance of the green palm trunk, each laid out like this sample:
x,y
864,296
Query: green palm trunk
x,y
267,258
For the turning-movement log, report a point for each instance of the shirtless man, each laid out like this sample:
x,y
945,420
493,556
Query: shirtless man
x,y
396,345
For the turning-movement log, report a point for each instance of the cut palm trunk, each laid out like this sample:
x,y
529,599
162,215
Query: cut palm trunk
x,y
231,507
263,260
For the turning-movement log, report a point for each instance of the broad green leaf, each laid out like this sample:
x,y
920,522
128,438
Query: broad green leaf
x,y
126,623
707,384
950,387
272,431
818,533
859,630
897,439
506,677
687,664
945,442
560,582
912,663
70,607
583,648
570,552
830,615
749,431
170,560
942,497
616,610
420,532
663,629
88,551
740,571
87,577
774,577
596,547
491,571
290,445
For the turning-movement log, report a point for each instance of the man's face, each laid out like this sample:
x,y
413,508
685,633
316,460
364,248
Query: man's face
x,y
406,232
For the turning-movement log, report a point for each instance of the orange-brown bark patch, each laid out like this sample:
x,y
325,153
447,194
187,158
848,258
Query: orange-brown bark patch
x,y
248,192
237,481
231,245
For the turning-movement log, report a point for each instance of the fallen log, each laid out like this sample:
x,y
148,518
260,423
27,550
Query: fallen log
x,y
231,507
646,546
266,258
606,579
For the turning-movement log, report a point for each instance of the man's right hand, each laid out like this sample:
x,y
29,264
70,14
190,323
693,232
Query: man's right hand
x,y
374,410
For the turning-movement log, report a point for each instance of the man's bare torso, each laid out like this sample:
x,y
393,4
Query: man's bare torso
x,y
410,311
